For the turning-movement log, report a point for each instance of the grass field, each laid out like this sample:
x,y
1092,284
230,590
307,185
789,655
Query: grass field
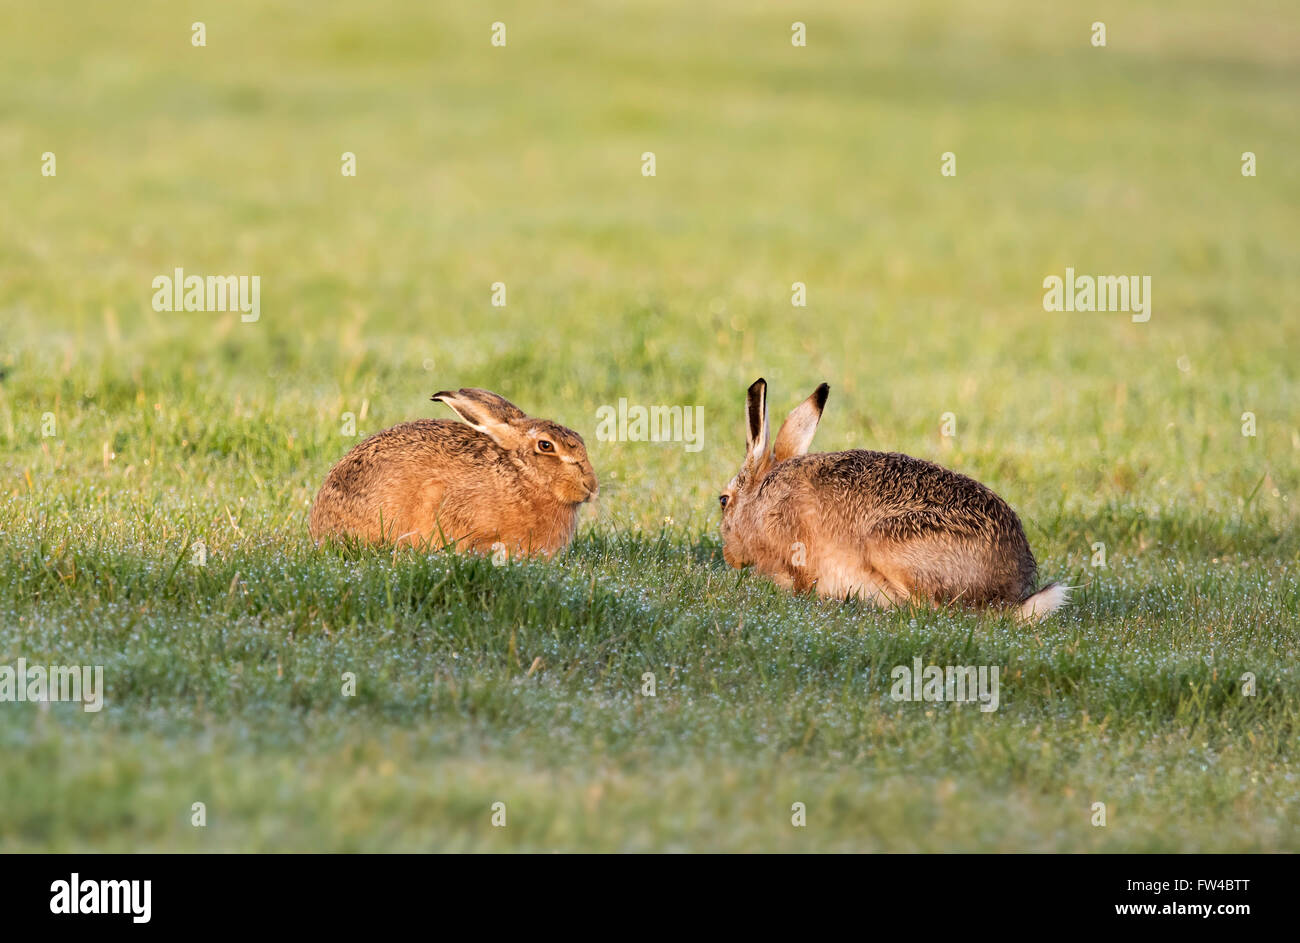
x,y
127,434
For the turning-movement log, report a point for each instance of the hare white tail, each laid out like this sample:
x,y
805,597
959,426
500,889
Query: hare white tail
x,y
1043,603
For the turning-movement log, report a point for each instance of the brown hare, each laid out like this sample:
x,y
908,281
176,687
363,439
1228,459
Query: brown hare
x,y
499,478
879,525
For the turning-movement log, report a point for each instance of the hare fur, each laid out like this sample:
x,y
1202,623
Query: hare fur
x,y
882,526
498,478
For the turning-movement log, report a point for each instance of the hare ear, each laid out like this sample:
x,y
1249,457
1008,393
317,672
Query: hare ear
x,y
756,432
485,412
800,426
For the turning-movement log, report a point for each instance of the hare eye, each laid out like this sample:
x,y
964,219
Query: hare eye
x,y
544,445
722,499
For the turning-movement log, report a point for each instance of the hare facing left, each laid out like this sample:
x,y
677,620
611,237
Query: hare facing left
x,y
498,478
885,527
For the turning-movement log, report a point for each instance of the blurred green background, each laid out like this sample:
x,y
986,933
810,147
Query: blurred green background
x,y
522,165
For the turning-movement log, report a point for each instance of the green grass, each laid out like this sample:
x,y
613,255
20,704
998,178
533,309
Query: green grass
x,y
521,684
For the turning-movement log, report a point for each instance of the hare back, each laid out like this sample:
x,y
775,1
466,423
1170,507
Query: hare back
x,y
415,443
890,527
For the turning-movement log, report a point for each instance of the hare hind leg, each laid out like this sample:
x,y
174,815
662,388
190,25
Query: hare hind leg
x,y
414,515
943,571
864,580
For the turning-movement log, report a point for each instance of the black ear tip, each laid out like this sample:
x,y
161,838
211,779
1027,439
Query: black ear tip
x,y
438,396
823,391
758,385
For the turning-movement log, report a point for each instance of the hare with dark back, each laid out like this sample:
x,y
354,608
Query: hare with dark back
x,y
878,525
500,477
